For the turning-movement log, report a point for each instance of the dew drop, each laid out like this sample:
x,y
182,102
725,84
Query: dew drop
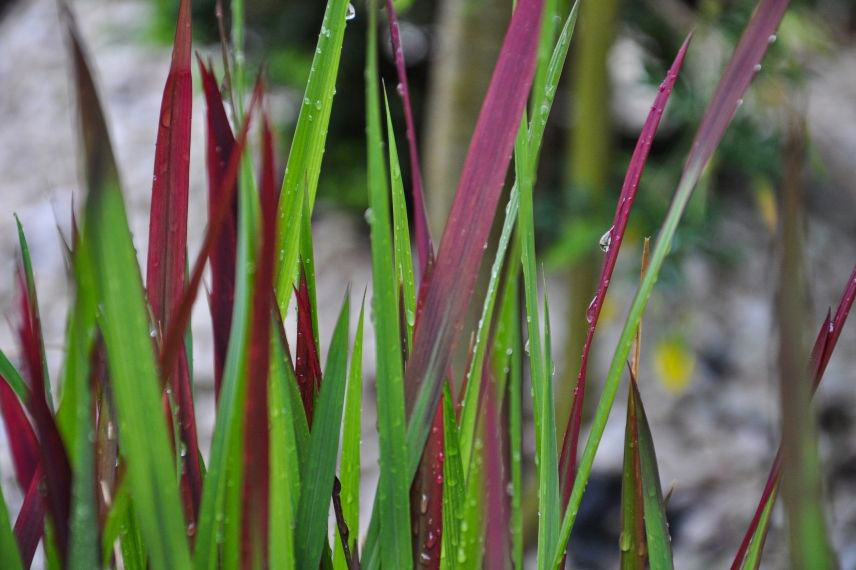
x,y
400,89
590,310
369,216
605,240
772,38
757,67
423,503
526,347
624,542
352,13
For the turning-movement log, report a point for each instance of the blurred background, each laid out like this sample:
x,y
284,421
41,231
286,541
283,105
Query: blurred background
x,y
709,376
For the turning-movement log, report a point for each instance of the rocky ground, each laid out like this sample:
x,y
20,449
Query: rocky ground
x,y
715,439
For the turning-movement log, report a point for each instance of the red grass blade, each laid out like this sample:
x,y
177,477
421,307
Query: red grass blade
x,y
29,524
426,498
168,222
307,368
742,67
827,338
497,539
174,337
256,420
567,464
168,236
53,454
422,231
220,143
462,247
22,439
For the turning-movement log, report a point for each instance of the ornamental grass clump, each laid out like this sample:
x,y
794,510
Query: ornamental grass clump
x,y
111,467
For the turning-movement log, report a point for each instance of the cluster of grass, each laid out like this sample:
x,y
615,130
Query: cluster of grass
x,y
112,472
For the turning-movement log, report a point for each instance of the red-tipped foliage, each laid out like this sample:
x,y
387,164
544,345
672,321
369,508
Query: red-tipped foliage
x,y
453,278
567,464
168,222
426,497
256,418
29,524
306,365
220,144
497,554
421,230
827,338
22,438
168,238
53,455
174,336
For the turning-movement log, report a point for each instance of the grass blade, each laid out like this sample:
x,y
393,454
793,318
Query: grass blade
x,y
76,382
30,283
614,240
449,291
307,147
284,463
497,552
656,529
548,466
10,557
401,233
53,454
256,437
220,145
827,338
320,469
732,87
454,489
23,446
350,464
392,504
422,231
30,522
13,378
106,241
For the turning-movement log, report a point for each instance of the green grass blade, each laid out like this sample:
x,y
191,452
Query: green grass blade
x,y
317,476
752,561
515,412
350,465
13,378
307,146
548,466
31,292
225,457
124,323
394,486
454,487
284,467
633,550
401,231
471,395
9,556
656,527
83,549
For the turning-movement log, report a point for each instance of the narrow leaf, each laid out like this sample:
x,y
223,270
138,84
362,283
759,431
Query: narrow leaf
x,y
351,430
10,557
392,513
307,147
319,472
614,239
220,145
732,87
123,320
424,245
256,457
30,522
